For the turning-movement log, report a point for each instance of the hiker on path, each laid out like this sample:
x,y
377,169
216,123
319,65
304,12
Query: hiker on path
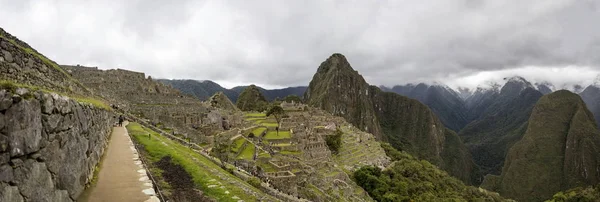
x,y
121,120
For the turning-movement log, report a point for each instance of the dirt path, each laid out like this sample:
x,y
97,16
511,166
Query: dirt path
x,y
122,176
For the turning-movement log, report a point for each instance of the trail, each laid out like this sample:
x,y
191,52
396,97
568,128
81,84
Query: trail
x,y
122,176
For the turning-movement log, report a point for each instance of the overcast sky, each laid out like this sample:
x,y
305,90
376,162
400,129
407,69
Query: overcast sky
x,y
281,43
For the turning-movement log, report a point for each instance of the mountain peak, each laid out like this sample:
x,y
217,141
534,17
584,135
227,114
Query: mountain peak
x,y
514,85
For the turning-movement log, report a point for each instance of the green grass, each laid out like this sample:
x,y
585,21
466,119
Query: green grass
x,y
255,115
258,131
248,152
282,144
12,86
255,119
201,174
272,135
264,155
271,125
237,144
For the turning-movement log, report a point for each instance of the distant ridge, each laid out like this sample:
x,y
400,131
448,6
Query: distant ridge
x,y
206,88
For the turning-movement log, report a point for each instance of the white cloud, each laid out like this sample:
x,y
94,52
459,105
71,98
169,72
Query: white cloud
x,y
281,43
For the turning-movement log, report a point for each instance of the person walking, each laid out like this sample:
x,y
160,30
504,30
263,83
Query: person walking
x,y
121,119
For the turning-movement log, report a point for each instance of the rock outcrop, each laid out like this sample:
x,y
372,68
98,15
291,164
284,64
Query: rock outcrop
x,y
49,145
406,123
559,151
251,99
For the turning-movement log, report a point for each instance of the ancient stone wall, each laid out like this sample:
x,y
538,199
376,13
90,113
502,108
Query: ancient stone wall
x,y
21,64
49,145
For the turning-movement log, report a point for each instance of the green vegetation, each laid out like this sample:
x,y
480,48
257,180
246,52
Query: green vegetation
x,y
272,135
12,87
409,179
498,129
590,194
258,131
255,115
270,125
263,154
251,99
292,98
248,152
203,171
237,144
277,112
561,134
334,142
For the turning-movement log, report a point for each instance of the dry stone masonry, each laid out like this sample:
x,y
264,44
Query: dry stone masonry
x,y
49,145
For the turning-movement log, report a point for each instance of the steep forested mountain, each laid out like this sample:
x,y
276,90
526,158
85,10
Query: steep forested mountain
x,y
443,101
204,89
501,124
591,97
404,122
482,98
251,99
559,151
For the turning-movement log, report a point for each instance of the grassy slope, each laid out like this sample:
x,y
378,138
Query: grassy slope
x,y
202,169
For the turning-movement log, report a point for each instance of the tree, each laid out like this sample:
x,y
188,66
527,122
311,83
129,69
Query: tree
x,y
334,142
292,98
278,113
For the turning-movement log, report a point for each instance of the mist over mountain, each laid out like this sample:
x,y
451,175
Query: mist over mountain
x,y
443,101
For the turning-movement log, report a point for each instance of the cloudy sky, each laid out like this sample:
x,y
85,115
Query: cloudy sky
x,y
281,43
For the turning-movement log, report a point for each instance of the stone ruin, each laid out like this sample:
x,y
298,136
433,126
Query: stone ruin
x,y
159,103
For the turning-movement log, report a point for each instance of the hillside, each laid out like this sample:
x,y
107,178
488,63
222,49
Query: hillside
x,y
21,64
410,179
200,89
251,99
204,89
501,125
591,97
442,100
559,151
405,123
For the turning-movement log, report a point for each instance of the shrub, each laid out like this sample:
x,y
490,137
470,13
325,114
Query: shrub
x,y
254,182
334,142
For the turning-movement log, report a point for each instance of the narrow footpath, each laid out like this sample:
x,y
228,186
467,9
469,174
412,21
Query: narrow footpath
x,y
122,176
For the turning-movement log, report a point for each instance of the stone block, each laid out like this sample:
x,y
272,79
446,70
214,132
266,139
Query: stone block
x,y
48,104
10,193
5,100
7,56
35,182
51,122
24,127
6,173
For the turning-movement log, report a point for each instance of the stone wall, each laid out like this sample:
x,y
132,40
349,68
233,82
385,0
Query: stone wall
x,y
31,68
49,145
